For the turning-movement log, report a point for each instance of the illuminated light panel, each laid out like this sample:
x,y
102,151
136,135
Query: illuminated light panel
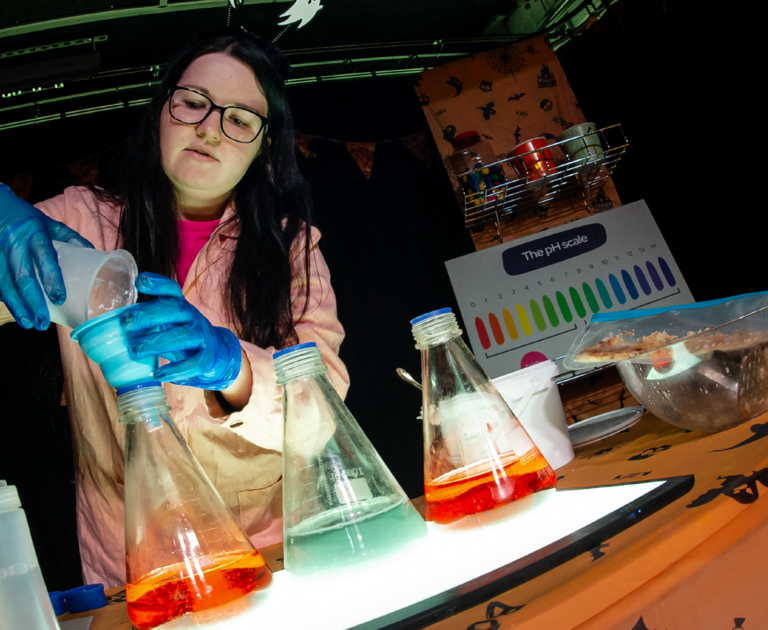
x,y
334,600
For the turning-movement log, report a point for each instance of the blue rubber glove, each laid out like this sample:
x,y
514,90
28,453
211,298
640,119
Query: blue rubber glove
x,y
201,354
25,242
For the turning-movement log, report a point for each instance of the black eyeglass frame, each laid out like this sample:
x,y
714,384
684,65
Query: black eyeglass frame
x,y
218,108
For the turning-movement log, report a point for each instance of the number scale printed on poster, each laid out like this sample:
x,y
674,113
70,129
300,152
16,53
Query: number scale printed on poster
x,y
526,300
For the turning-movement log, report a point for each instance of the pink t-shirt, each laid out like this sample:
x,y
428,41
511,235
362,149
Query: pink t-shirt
x,y
192,236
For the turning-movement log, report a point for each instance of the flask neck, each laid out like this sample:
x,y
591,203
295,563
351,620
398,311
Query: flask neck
x,y
304,362
435,330
145,404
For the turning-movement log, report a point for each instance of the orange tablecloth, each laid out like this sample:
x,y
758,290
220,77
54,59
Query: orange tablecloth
x,y
700,562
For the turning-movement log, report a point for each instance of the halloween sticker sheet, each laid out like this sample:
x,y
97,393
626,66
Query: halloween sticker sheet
x,y
508,95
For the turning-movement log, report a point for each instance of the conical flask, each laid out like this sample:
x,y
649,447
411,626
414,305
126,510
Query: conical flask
x,y
185,553
341,503
477,455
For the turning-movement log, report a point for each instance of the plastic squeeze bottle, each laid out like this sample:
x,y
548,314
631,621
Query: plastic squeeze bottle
x,y
24,601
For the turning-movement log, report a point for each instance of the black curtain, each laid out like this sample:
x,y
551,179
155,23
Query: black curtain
x,y
385,240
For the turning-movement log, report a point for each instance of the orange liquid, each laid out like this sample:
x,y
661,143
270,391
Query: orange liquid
x,y
485,486
162,595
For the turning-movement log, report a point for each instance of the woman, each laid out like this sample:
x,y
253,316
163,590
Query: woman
x,y
210,194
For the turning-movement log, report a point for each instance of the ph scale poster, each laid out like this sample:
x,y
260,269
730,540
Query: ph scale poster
x,y
526,300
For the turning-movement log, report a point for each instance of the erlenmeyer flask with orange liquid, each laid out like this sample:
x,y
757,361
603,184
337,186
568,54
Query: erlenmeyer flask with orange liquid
x,y
478,458
185,553
184,550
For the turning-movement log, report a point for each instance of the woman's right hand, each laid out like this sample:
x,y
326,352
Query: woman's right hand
x,y
25,243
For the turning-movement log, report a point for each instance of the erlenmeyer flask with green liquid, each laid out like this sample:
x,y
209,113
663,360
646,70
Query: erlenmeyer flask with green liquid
x,y
341,504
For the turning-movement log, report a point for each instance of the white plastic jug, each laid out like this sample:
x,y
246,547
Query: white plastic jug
x,y
24,601
533,396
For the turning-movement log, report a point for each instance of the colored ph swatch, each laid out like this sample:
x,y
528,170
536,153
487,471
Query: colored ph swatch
x,y
563,304
604,295
551,312
629,283
498,336
577,303
617,290
538,318
525,323
667,272
485,340
646,288
591,299
521,320
654,276
510,324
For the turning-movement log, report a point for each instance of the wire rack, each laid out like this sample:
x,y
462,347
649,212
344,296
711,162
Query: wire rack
x,y
567,177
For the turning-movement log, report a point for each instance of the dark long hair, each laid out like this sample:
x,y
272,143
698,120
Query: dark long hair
x,y
272,203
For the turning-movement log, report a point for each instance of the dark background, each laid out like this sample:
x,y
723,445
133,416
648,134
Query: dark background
x,y
646,66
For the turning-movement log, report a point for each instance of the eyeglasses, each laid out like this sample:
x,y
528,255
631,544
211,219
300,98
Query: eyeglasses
x,y
191,108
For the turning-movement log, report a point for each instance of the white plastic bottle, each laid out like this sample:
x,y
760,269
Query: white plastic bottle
x,y
24,601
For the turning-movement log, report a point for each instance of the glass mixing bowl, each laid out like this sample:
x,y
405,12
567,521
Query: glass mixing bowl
x,y
709,381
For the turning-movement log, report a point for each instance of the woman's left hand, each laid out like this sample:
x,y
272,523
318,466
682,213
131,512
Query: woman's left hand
x,y
201,354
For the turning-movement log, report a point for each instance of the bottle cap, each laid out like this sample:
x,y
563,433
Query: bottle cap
x,y
86,597
9,497
465,139
135,386
301,346
421,318
58,603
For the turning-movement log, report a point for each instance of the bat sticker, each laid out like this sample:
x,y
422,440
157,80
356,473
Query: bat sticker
x,y
487,110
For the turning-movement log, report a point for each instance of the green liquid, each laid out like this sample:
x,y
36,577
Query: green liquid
x,y
377,527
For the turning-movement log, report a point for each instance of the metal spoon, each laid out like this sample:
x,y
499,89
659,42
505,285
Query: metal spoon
x,y
408,378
